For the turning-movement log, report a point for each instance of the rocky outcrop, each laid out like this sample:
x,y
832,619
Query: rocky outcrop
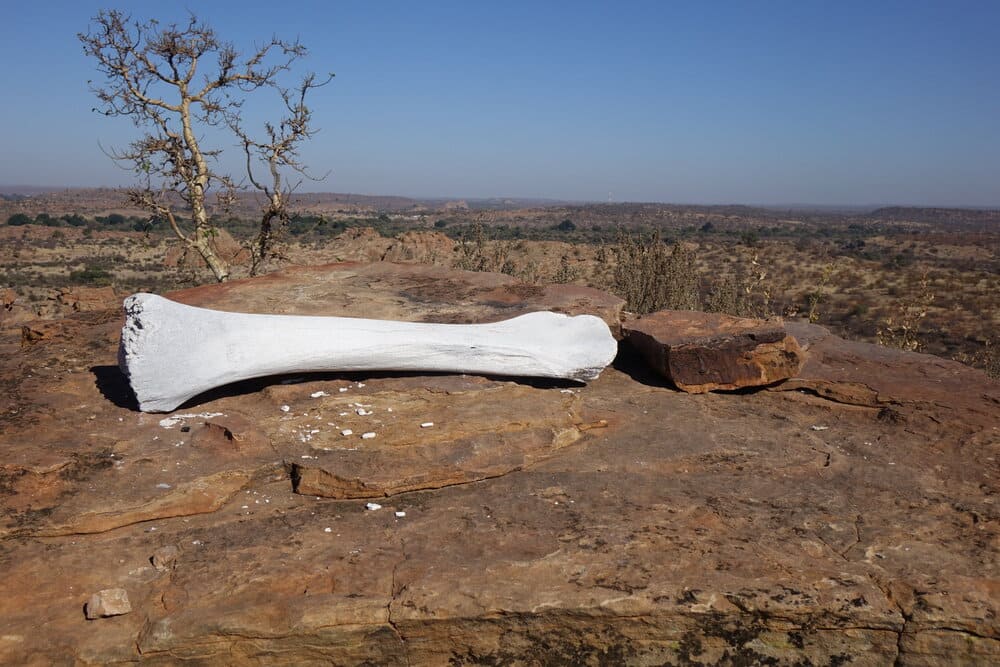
x,y
13,311
421,246
701,352
622,522
361,244
88,299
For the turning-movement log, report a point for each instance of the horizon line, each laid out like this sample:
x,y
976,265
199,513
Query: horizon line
x,y
30,190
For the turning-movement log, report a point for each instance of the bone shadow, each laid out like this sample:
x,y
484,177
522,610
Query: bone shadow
x,y
255,385
114,386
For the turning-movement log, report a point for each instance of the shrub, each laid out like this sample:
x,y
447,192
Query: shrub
x,y
566,273
478,253
651,276
566,226
91,275
902,330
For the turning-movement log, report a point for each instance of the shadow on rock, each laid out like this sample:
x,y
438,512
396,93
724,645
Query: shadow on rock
x,y
114,386
255,385
631,363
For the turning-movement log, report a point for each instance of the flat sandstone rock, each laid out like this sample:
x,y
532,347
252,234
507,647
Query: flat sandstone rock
x,y
700,352
620,522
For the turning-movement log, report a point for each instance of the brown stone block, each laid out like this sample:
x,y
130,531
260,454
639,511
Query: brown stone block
x,y
700,352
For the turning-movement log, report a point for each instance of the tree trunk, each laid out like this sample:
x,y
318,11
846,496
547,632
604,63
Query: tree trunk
x,y
203,244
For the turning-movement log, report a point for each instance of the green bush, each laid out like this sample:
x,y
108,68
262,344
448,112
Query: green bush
x,y
91,275
566,226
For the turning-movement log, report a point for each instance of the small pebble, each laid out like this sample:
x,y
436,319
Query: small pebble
x,y
109,602
318,394
368,436
342,390
285,408
819,428
347,431
427,425
372,506
400,514
328,530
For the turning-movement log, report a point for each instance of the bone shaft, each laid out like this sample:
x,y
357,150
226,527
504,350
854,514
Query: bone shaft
x,y
172,352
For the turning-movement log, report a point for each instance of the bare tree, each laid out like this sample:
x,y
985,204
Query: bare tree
x,y
279,152
151,75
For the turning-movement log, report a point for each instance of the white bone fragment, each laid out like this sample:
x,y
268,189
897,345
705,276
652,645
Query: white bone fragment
x,y
171,352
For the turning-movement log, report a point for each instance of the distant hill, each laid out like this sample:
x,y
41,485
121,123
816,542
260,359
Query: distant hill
x,y
940,216
100,201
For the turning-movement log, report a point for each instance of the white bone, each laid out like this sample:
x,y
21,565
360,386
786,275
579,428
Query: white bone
x,y
172,352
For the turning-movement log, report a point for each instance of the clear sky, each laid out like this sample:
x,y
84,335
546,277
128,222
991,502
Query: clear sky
x,y
696,102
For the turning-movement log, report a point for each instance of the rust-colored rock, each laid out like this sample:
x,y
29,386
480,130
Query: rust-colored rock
x,y
421,246
87,299
8,298
13,311
620,522
700,352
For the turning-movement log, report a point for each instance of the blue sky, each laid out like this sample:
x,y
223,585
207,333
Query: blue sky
x,y
696,102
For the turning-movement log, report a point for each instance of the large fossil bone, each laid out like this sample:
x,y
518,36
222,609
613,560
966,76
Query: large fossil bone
x,y
172,352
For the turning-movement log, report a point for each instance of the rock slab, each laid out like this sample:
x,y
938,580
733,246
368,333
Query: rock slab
x,y
848,516
701,352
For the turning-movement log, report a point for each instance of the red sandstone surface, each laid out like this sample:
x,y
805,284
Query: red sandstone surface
x,y
845,516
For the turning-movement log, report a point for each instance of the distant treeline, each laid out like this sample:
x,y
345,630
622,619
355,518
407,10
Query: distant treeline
x,y
849,238
113,221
